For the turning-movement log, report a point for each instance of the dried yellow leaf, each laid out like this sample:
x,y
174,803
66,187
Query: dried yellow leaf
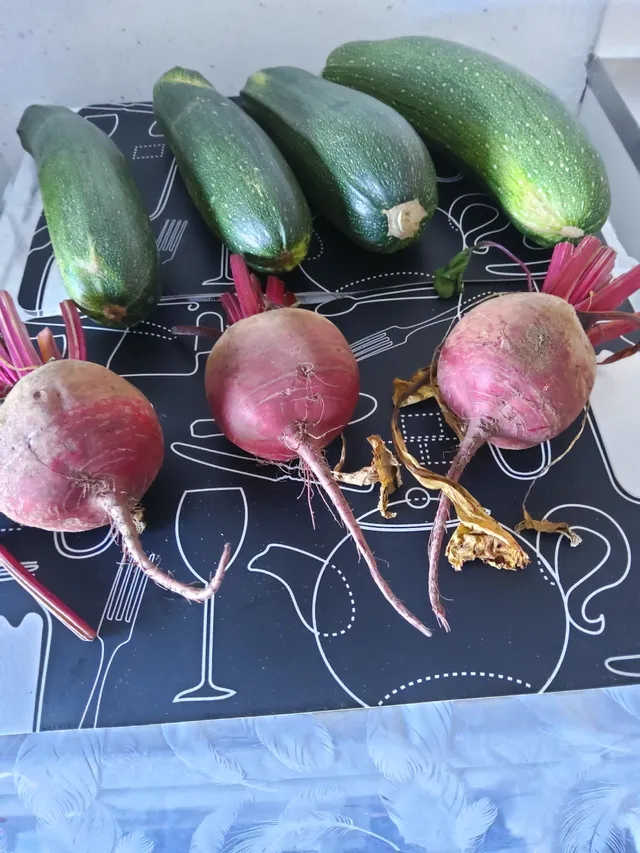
x,y
544,526
469,544
422,386
384,469
490,542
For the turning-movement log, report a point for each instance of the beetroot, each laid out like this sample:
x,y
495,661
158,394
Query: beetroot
x,y
499,369
517,370
79,445
282,383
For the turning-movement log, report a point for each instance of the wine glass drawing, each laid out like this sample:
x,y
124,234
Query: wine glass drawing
x,y
196,509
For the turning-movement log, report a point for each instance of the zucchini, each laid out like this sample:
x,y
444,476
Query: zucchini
x,y
359,162
100,232
494,121
235,175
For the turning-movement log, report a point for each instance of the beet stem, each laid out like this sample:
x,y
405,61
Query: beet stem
x,y
16,337
122,519
44,597
76,342
475,436
48,346
317,464
197,331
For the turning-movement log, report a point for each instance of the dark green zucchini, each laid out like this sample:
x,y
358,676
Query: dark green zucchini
x,y
494,120
359,162
100,232
235,175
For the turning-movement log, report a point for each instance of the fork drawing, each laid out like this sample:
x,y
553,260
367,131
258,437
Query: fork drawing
x,y
123,606
396,336
170,236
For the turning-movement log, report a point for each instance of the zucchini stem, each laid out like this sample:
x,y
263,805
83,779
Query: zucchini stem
x,y
404,219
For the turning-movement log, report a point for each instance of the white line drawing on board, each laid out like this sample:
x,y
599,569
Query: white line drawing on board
x,y
555,571
123,606
38,629
166,191
500,458
225,456
148,151
613,664
42,246
30,565
337,630
224,276
206,690
170,237
65,549
201,349
396,336
550,574
20,671
116,121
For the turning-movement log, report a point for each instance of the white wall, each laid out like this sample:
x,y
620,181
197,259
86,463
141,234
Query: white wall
x,y
76,52
620,33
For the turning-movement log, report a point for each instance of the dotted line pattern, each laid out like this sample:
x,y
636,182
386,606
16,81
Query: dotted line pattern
x,y
9,529
157,325
351,602
439,675
381,275
544,574
320,252
155,156
352,619
439,437
424,456
151,335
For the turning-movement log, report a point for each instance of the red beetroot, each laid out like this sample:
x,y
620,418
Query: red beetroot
x,y
79,445
282,384
500,369
518,369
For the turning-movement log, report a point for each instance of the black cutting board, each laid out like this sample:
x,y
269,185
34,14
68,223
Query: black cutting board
x,y
298,624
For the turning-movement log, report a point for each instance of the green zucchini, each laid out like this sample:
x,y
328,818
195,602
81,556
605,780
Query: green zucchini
x,y
235,175
359,162
493,120
100,232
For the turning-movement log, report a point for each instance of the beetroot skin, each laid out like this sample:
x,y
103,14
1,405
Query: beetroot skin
x,y
519,365
71,432
279,377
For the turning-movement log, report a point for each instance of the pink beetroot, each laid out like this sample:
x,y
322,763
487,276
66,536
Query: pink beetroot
x,y
517,370
282,383
79,445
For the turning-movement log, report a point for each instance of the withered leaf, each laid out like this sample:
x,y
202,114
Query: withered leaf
x,y
138,518
478,535
545,526
384,469
343,455
469,544
422,386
